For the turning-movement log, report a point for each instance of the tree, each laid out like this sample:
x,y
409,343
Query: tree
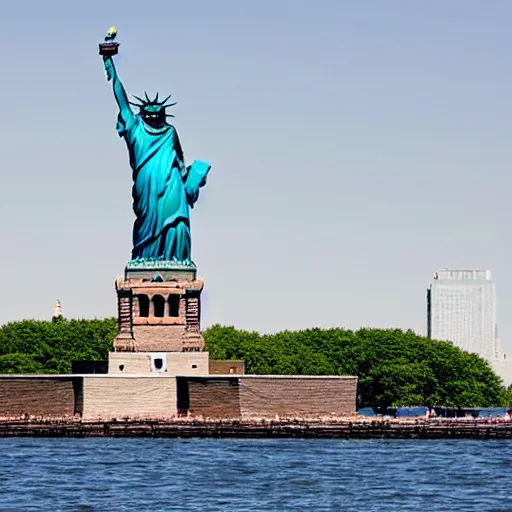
x,y
394,367
32,346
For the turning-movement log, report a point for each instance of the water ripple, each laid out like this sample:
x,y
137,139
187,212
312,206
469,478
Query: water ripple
x,y
93,475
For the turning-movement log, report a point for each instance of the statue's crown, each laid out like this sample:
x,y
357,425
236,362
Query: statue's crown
x,y
152,106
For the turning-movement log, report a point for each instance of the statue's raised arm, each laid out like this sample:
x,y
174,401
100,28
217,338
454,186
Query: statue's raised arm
x,y
119,91
120,95
108,49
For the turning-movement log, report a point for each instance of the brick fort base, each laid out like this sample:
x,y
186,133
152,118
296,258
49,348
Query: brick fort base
x,y
159,308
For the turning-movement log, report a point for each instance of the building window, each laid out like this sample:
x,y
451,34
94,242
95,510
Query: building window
x,y
159,306
174,305
143,305
158,363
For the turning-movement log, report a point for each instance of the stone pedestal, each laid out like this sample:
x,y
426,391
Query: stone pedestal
x,y
159,308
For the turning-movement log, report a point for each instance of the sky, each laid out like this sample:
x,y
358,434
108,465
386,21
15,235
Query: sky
x,y
356,148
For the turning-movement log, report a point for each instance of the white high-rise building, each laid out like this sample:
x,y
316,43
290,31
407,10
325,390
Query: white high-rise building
x,y
461,308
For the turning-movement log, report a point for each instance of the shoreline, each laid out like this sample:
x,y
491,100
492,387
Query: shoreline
x,y
339,428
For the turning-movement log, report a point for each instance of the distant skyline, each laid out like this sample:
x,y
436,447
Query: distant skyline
x,y
356,147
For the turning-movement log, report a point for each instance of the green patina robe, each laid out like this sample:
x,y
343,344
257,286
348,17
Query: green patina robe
x,y
164,189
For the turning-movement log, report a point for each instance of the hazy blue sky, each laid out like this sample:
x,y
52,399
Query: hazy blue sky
x,y
356,147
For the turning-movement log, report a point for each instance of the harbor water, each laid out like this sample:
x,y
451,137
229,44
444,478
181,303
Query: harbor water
x,y
106,474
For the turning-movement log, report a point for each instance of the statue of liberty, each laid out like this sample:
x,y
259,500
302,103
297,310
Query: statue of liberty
x,y
164,188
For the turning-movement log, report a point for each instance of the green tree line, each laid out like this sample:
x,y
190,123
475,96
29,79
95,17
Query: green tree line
x,y
33,346
394,367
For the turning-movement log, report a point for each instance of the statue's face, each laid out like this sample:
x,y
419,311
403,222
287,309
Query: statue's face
x,y
154,116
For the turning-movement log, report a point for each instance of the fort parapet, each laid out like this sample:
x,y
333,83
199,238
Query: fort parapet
x,y
144,396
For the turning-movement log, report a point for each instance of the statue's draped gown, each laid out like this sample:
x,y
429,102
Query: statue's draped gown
x,y
163,190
